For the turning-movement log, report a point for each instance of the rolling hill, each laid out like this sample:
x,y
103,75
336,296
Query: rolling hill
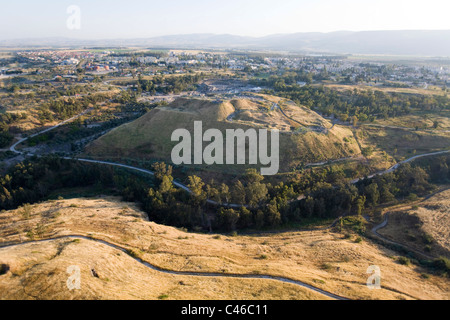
x,y
305,137
34,269
424,226
392,42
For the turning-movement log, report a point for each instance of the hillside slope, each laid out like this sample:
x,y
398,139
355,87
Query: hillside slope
x,y
305,137
424,227
323,259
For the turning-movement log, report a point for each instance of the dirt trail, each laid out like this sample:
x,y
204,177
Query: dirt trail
x,y
385,222
190,273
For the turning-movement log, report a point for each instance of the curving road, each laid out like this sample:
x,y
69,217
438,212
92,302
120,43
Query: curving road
x,y
190,273
13,147
385,222
175,183
394,167
402,128
180,185
383,238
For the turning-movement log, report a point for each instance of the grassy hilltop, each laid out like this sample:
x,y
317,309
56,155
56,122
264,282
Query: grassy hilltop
x,y
305,137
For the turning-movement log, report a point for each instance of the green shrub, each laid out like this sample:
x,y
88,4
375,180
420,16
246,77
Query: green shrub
x,y
26,211
442,264
404,260
355,223
30,234
427,238
412,197
4,268
319,281
367,151
326,266
40,229
134,253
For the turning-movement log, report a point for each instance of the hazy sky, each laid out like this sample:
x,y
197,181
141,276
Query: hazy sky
x,y
146,18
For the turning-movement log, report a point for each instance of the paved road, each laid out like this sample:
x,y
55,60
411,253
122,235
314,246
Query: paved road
x,y
397,165
180,185
191,273
402,128
13,147
175,183
383,238
385,223
327,162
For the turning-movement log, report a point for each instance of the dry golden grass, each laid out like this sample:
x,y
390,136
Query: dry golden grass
x,y
419,121
401,144
149,137
260,112
424,226
39,271
321,258
429,91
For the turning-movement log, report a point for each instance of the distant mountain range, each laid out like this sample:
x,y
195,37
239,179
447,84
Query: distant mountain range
x,y
411,42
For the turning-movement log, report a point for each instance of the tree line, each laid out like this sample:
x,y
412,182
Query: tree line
x,y
313,195
175,84
363,104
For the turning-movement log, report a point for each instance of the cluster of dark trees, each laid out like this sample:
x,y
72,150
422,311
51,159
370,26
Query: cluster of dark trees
x,y
36,178
316,194
13,72
133,55
60,108
79,129
6,119
73,90
65,108
362,104
5,137
175,84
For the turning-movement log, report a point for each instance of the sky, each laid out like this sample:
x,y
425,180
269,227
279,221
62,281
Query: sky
x,y
112,19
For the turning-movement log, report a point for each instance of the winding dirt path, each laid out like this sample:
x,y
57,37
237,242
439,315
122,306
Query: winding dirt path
x,y
384,223
178,184
182,186
384,239
189,273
